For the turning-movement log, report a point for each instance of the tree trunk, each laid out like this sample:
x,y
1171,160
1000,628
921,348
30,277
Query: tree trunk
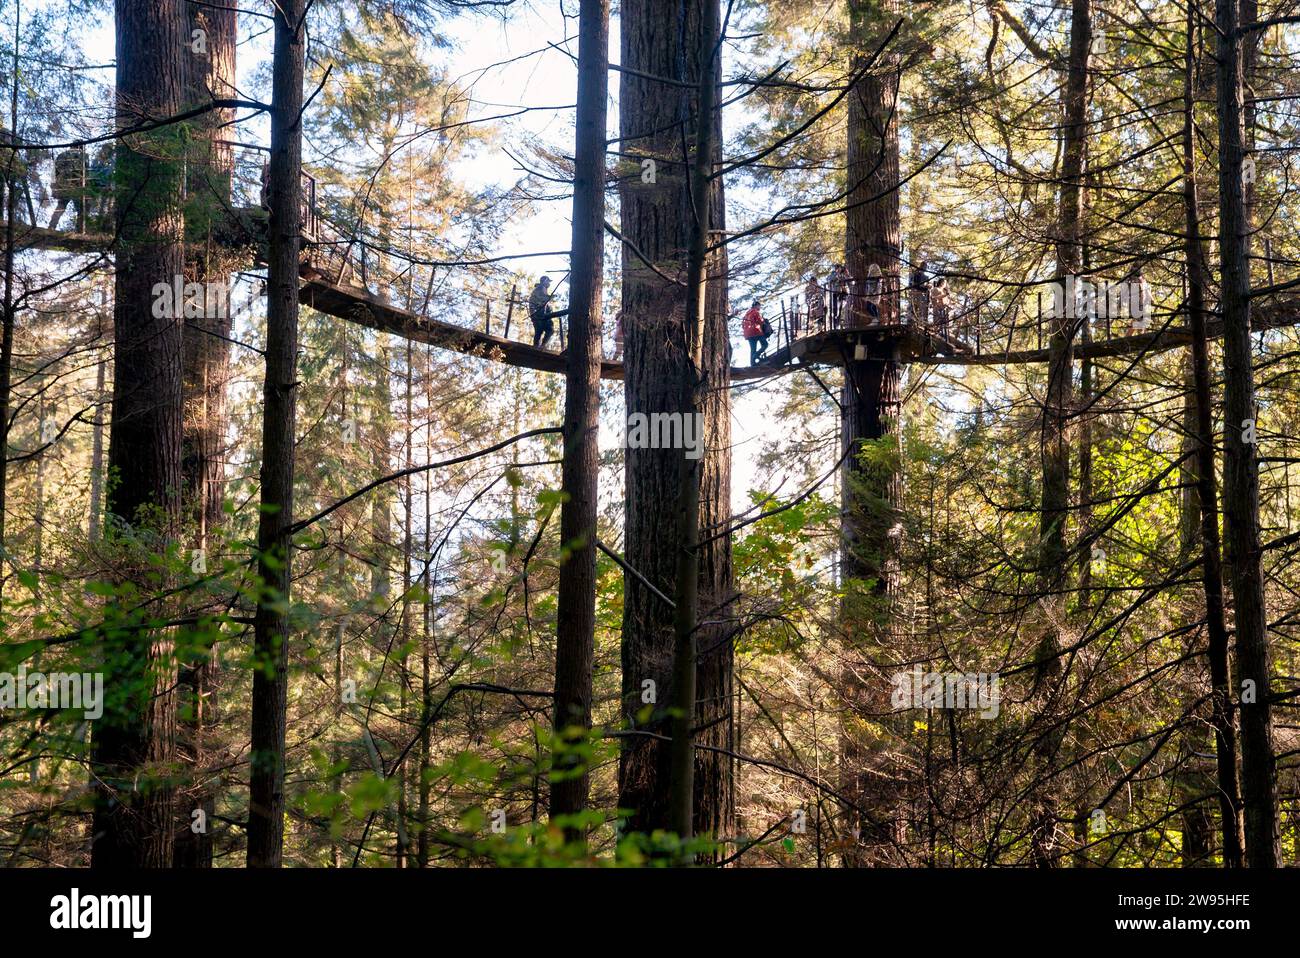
x,y
408,502
274,543
1055,438
870,399
1055,448
134,741
1205,495
580,473
1241,461
210,73
9,183
686,593
97,455
657,220
872,231
427,636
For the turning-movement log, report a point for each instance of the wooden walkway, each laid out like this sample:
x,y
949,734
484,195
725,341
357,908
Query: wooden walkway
x,y
38,237
829,347
360,306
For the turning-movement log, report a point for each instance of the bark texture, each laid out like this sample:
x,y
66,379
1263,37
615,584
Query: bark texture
x,y
870,481
271,625
1205,501
580,473
134,742
210,74
1241,459
659,39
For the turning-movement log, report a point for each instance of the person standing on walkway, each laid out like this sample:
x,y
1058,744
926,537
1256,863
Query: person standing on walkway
x,y
919,294
755,329
816,300
539,312
871,293
838,283
941,303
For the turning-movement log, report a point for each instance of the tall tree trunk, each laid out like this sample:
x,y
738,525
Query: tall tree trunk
x,y
870,398
1241,460
1055,448
427,635
38,518
1205,492
872,231
97,445
871,489
657,220
134,741
580,473
382,631
408,502
274,543
686,592
212,33
1055,439
12,166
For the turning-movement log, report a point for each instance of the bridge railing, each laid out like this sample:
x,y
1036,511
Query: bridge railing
x,y
345,259
959,324
972,323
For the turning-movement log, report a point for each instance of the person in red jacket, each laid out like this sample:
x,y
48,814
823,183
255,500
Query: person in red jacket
x,y
755,329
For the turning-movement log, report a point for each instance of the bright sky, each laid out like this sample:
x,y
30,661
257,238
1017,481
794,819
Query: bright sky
x,y
507,65
510,65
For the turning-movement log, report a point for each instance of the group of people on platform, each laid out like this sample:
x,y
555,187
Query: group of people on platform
x,y
930,302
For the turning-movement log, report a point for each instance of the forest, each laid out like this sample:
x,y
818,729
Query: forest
x,y
786,434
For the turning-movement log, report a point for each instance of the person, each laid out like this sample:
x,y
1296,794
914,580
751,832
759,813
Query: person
x,y
70,186
618,335
538,311
919,294
872,293
941,301
816,300
756,329
838,283
264,194
1139,302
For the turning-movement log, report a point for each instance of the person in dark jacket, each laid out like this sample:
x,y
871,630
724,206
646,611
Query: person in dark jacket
x,y
70,187
815,298
539,312
919,294
838,283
